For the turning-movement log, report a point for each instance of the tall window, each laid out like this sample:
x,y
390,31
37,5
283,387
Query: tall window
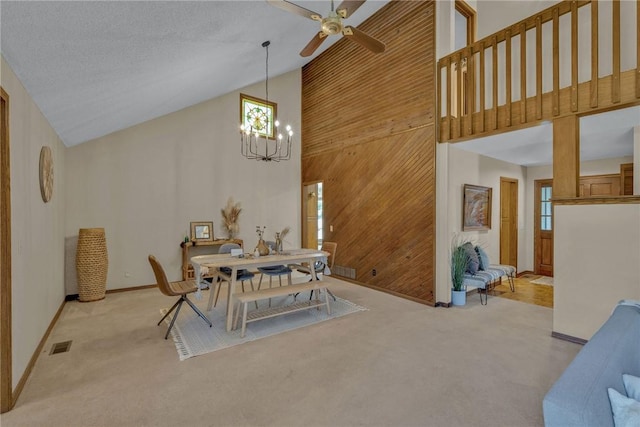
x,y
546,222
465,25
320,231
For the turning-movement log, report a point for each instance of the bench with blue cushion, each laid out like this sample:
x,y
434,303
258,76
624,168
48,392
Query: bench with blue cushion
x,y
483,275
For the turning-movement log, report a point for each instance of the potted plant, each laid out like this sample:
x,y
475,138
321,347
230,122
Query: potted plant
x,y
459,265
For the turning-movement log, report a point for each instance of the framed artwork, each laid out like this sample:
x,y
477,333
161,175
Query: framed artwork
x,y
202,231
476,208
257,115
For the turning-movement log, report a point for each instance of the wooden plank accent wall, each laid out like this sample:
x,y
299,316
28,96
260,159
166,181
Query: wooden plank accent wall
x,y
368,133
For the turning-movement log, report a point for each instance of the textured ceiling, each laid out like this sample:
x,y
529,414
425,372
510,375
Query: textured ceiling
x,y
95,67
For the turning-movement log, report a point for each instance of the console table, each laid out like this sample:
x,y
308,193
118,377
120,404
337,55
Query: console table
x,y
187,268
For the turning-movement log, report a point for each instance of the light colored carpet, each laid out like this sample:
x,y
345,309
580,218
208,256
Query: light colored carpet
x,y
193,337
399,363
543,280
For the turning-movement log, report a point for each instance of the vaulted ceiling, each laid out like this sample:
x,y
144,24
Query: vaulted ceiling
x,y
95,67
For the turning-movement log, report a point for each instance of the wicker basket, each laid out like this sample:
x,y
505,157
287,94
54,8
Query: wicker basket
x,y
92,264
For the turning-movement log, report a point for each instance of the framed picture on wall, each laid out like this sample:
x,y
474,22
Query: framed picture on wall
x,y
476,208
202,231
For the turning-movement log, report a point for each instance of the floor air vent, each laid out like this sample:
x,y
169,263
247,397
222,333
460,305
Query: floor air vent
x,y
344,271
60,347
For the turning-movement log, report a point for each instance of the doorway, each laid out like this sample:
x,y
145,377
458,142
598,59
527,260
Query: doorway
x,y
6,383
509,221
543,228
312,229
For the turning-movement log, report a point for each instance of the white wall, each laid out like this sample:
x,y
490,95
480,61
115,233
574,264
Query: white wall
x,y
145,184
466,167
597,248
37,228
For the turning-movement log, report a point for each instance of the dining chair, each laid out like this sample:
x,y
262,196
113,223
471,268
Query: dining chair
x,y
319,266
173,289
225,274
274,271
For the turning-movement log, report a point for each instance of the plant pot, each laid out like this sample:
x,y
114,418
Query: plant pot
x,y
458,297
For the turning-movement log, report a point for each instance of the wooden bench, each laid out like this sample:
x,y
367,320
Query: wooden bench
x,y
245,298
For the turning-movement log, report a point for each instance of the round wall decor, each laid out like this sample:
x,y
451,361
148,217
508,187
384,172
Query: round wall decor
x,y
46,173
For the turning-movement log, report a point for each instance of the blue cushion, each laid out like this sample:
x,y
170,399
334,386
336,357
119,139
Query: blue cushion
x,y
632,386
626,411
483,257
275,270
474,261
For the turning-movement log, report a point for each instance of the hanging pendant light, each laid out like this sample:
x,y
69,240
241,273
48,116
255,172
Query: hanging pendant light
x,y
258,123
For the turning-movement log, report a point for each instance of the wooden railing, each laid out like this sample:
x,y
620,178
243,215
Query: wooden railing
x,y
492,91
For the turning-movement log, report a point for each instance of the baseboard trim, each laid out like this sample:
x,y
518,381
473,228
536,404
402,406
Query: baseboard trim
x,y
386,291
569,338
522,273
133,288
25,375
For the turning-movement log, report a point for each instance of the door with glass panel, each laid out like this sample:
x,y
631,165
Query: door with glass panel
x,y
312,216
543,228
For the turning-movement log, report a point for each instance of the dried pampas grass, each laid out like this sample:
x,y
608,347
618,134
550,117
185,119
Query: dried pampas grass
x,y
230,216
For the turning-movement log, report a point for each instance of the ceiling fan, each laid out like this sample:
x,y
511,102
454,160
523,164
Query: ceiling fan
x,y
332,24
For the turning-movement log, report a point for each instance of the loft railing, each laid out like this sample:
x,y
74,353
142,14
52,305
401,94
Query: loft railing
x,y
564,60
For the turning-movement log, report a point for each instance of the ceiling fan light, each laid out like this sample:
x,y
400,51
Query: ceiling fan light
x,y
332,24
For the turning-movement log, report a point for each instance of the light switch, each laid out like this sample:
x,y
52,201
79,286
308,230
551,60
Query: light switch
x,y
331,228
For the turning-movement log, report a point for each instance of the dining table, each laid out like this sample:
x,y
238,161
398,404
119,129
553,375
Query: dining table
x,y
213,263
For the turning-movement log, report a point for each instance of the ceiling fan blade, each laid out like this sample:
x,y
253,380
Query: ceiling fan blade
x,y
313,44
294,8
373,44
347,7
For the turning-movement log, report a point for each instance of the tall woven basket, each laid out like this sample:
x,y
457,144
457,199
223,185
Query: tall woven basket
x,y
92,264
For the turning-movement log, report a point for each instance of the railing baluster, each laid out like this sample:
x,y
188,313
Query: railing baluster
x,y
459,93
523,73
574,56
615,78
594,55
538,68
471,90
556,62
494,59
482,88
508,75
449,100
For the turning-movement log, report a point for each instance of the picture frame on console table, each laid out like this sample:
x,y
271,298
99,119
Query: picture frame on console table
x,y
476,208
202,231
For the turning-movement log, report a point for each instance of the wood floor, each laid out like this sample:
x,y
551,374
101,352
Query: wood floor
x,y
526,291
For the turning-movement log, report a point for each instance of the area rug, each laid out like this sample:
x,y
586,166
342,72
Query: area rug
x,y
543,280
193,337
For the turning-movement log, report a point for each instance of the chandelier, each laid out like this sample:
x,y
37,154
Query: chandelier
x,y
260,136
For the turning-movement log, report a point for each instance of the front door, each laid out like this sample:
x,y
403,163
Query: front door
x,y
509,221
543,228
